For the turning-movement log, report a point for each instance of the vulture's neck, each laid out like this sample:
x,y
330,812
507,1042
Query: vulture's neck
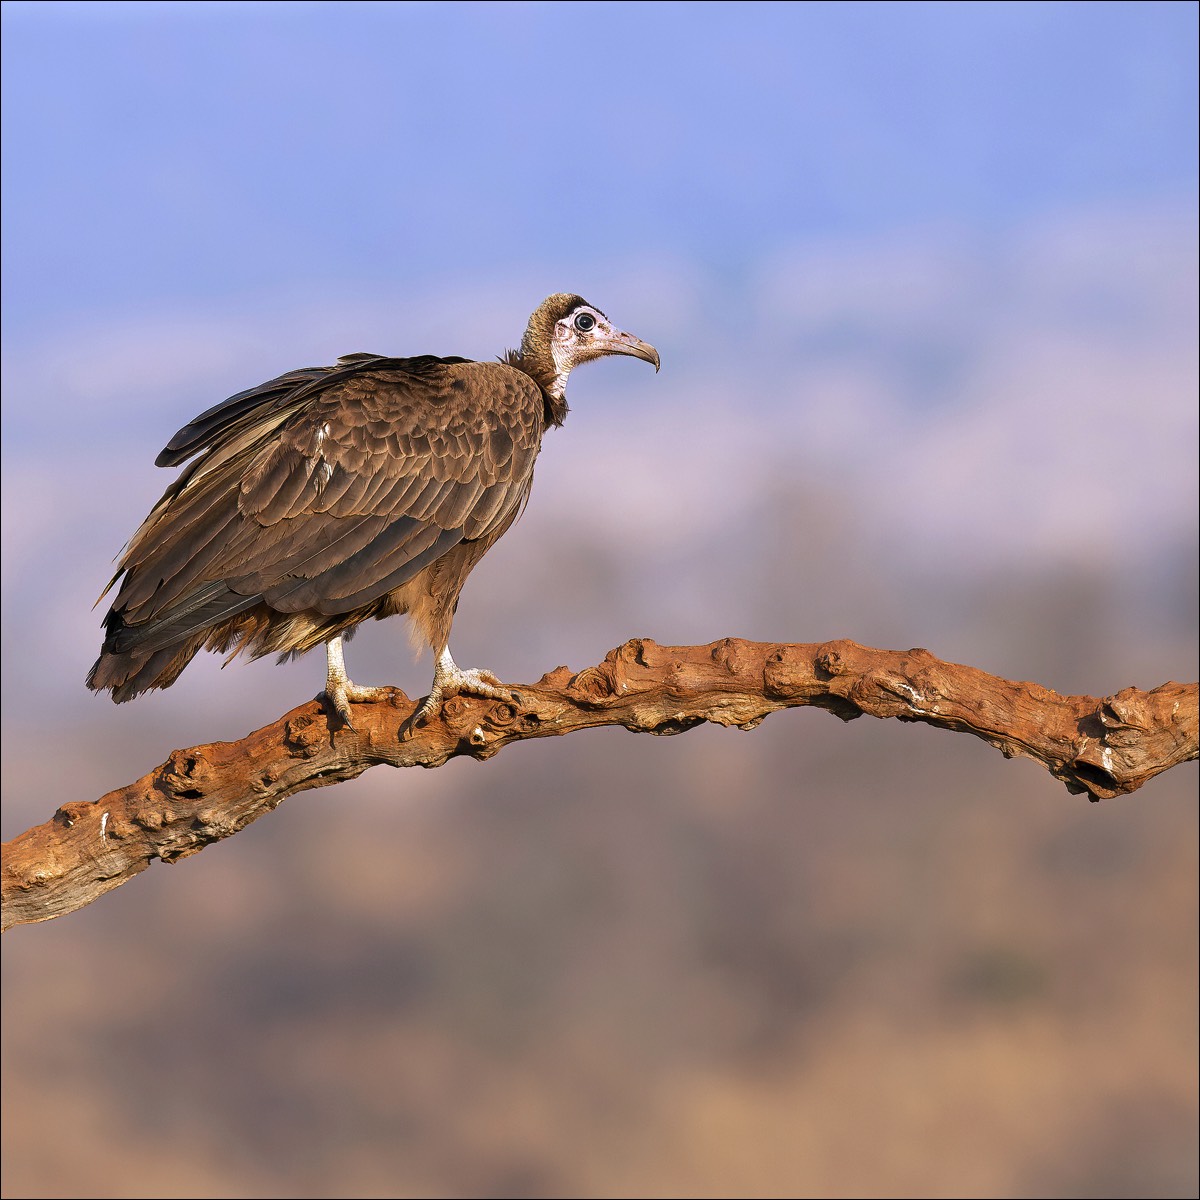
x,y
537,361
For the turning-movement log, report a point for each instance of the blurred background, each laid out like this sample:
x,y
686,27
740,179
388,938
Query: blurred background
x,y
924,281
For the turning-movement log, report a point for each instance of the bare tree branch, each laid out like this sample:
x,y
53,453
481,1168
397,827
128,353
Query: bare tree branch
x,y
1105,747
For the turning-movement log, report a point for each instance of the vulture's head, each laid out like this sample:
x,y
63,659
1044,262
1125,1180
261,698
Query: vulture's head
x,y
566,330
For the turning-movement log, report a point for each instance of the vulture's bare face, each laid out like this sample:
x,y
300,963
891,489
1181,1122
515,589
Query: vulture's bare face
x,y
586,333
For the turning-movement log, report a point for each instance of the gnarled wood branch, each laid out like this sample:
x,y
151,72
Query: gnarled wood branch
x,y
1104,747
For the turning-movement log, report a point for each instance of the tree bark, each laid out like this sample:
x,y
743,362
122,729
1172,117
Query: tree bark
x,y
1105,747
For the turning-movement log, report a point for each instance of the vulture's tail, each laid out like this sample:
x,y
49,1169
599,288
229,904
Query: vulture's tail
x,y
137,658
128,675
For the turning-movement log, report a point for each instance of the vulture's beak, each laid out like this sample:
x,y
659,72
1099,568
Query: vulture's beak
x,y
626,343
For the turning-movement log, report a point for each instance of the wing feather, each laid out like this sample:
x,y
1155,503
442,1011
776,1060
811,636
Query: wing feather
x,y
286,489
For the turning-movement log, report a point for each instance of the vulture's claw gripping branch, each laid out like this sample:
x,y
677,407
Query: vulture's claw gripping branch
x,y
340,691
449,679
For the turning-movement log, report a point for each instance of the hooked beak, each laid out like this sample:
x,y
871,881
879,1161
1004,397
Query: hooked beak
x,y
626,343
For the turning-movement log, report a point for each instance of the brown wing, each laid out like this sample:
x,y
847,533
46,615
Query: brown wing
x,y
385,466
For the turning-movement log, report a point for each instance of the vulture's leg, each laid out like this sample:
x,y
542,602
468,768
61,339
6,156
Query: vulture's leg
x,y
339,691
449,679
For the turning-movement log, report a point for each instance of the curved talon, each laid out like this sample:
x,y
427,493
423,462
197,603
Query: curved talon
x,y
338,708
449,679
340,690
339,697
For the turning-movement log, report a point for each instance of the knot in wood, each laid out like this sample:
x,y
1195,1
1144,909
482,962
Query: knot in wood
x,y
637,650
1125,710
1093,771
593,686
266,779
304,736
787,674
499,718
882,694
67,814
480,742
734,655
841,657
829,662
184,775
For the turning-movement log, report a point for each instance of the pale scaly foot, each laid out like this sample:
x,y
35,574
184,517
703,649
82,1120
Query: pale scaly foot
x,y
449,679
339,690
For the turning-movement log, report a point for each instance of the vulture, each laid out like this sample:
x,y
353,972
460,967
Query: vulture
x,y
369,488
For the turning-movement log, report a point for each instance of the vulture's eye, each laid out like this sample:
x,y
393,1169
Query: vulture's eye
x,y
585,322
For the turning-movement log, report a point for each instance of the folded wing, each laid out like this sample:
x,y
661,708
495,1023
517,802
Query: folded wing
x,y
320,493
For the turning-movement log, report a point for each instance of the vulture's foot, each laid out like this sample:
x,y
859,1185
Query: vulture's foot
x,y
339,690
449,679
339,696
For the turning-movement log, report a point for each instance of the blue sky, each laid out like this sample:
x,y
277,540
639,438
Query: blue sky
x,y
161,153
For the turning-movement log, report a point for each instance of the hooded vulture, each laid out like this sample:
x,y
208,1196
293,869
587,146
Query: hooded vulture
x,y
333,494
